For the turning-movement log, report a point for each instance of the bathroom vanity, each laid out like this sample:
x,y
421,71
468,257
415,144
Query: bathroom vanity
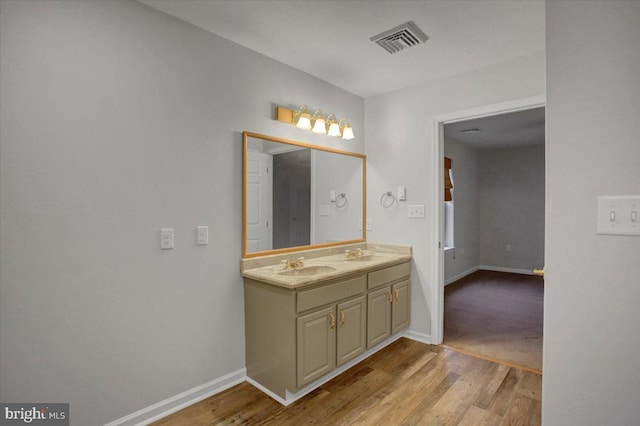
x,y
304,322
318,297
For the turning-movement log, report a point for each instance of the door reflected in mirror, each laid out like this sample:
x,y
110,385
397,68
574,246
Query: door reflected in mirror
x,y
297,196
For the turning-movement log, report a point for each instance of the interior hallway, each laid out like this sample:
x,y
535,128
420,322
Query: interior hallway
x,y
496,315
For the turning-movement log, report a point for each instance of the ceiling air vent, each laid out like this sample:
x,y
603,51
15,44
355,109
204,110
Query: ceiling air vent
x,y
400,38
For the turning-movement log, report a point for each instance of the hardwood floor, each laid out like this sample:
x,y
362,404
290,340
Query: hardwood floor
x,y
497,315
406,383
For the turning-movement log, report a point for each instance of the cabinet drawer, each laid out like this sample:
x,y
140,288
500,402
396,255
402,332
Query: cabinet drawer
x,y
388,275
322,295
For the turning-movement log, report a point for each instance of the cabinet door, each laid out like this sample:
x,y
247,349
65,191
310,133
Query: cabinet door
x,y
400,307
352,329
316,344
379,316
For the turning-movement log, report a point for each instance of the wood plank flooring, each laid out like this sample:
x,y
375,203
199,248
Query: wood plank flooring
x,y
406,383
497,315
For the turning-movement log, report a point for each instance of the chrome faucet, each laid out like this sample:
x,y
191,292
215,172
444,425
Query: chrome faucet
x,y
292,264
354,253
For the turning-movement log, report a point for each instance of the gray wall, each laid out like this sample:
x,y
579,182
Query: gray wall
x,y
592,282
400,151
498,201
466,199
118,120
511,207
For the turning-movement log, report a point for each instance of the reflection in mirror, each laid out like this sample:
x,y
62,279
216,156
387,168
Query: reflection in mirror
x,y
298,195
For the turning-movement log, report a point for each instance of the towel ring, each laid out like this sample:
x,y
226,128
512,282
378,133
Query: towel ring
x,y
386,196
341,200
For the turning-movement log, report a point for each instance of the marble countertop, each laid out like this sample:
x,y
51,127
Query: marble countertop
x,y
375,256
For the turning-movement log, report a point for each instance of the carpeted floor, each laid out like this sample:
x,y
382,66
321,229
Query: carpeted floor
x,y
496,315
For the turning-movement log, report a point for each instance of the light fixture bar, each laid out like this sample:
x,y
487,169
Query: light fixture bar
x,y
317,123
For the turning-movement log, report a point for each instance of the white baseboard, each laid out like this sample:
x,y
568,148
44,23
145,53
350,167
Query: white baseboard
x,y
510,270
418,337
178,402
461,275
175,403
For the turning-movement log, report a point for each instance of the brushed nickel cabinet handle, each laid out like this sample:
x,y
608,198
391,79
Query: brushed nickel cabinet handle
x,y
341,317
332,325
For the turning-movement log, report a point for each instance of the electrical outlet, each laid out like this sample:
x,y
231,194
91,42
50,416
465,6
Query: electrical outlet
x,y
202,237
166,239
416,211
323,211
369,224
508,248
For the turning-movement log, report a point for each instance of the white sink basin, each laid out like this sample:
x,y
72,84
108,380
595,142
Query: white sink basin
x,y
308,271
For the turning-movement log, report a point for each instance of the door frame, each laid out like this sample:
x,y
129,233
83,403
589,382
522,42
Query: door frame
x,y
437,276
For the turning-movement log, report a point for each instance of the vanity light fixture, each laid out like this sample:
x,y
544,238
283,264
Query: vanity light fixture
x,y
319,126
302,119
334,127
347,131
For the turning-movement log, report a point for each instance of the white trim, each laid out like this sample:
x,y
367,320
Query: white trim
x,y
275,396
178,402
437,286
437,277
494,109
175,403
510,270
417,336
461,275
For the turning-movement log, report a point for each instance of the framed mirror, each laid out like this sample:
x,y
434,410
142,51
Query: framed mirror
x,y
297,196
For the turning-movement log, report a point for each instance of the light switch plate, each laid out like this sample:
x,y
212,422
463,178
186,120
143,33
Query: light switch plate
x,y
166,238
619,215
202,235
416,211
402,193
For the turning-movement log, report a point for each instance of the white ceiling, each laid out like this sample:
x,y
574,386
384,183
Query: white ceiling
x,y
516,129
330,39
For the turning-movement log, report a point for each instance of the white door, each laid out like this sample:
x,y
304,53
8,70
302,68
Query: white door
x,y
259,201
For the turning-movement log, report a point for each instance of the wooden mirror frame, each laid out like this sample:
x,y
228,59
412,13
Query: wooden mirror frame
x,y
245,136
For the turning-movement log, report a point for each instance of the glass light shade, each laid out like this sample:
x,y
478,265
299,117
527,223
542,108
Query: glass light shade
x,y
319,126
304,121
334,129
347,133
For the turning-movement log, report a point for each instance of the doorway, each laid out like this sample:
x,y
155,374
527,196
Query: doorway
x,y
438,280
